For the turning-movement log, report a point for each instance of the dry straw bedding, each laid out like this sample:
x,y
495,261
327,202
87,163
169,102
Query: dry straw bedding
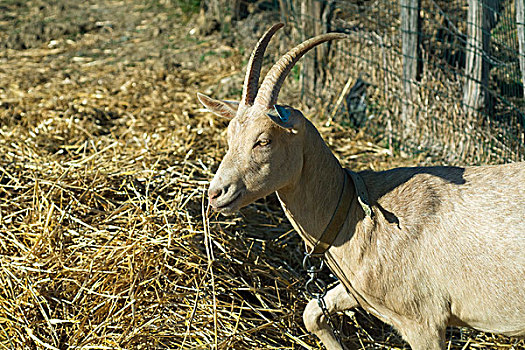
x,y
105,159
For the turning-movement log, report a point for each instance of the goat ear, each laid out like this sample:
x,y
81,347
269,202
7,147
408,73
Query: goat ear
x,y
285,118
224,109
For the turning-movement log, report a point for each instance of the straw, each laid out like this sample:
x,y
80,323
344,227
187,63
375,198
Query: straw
x,y
105,241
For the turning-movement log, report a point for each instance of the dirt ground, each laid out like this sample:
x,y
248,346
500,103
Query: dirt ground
x,y
105,157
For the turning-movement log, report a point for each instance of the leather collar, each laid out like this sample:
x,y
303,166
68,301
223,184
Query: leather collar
x,y
338,219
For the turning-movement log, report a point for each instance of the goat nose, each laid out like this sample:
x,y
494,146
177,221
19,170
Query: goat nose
x,y
214,193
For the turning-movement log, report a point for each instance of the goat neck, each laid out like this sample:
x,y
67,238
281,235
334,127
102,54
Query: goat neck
x,y
310,202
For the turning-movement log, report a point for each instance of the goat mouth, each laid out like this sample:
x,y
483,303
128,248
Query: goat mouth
x,y
228,207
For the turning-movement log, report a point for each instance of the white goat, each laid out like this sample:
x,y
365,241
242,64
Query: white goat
x,y
432,247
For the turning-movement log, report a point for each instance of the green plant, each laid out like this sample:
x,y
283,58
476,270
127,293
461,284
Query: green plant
x,y
296,73
189,6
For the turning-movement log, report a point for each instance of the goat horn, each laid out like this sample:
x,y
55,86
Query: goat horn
x,y
251,80
269,90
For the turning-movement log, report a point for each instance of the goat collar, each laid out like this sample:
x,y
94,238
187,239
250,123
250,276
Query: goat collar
x,y
338,219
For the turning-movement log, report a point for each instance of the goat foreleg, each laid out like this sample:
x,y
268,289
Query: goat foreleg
x,y
337,299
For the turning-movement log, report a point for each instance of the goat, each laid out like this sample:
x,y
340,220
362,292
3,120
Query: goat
x,y
428,247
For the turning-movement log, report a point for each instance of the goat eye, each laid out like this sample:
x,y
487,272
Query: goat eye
x,y
262,143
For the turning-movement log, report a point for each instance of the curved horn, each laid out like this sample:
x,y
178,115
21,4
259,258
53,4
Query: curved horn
x,y
269,90
251,80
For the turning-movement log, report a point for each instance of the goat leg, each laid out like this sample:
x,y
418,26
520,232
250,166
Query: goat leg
x,y
423,337
337,299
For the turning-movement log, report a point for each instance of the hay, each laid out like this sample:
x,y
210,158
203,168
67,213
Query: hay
x,y
105,159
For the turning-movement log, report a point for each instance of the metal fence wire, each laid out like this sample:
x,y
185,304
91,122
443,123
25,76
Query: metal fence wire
x,y
443,77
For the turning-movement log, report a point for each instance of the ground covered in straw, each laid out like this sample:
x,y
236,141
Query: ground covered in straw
x,y
105,158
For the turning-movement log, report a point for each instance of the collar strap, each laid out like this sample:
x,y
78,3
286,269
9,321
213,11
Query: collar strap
x,y
341,211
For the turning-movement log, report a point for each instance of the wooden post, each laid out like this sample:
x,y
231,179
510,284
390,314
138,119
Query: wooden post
x,y
480,21
411,50
309,14
315,20
224,11
284,10
473,96
520,21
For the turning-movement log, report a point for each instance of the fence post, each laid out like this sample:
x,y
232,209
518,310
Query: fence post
x,y
411,50
223,10
520,21
315,20
480,21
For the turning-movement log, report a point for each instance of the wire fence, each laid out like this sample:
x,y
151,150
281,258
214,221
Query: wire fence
x,y
436,77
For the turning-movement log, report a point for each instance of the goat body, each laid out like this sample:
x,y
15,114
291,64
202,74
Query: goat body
x,y
445,246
